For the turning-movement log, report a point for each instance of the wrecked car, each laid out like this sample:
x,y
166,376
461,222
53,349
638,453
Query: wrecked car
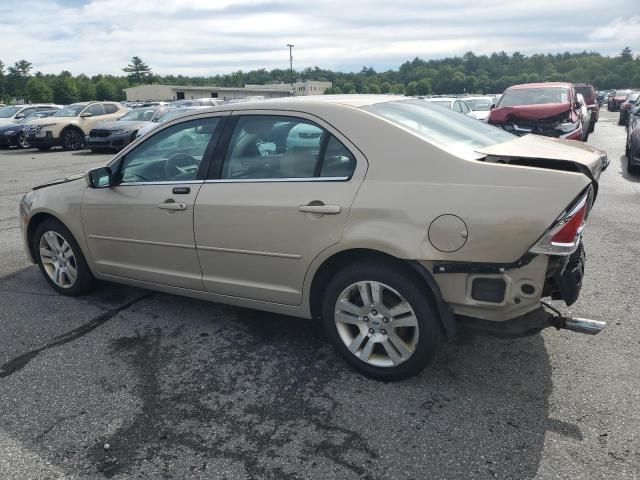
x,y
549,109
390,220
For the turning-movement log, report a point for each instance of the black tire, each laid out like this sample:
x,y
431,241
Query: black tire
x,y
44,149
404,282
22,142
71,139
592,126
84,280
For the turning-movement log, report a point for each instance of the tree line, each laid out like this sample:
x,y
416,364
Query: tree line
x,y
469,73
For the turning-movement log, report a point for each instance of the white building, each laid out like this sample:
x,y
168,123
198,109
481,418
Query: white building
x,y
153,92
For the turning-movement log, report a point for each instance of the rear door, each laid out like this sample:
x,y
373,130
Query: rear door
x,y
142,227
278,194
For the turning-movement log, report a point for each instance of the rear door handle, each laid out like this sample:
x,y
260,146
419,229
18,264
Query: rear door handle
x,y
172,206
323,209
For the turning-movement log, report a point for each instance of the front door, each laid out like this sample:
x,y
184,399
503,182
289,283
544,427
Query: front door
x,y
142,228
280,197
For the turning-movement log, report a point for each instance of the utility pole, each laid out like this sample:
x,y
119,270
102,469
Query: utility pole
x,y
291,65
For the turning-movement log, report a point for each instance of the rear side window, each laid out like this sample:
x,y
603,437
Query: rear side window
x,y
109,108
279,147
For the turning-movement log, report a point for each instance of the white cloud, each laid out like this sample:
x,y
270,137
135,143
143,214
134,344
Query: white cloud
x,y
204,37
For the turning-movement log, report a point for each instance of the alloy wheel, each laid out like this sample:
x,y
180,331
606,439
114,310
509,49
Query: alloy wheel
x,y
73,140
376,323
23,142
58,260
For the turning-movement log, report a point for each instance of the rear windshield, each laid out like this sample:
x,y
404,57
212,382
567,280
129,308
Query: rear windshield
x,y
587,92
441,126
8,111
621,93
534,96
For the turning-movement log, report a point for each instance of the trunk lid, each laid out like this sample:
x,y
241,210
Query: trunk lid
x,y
547,152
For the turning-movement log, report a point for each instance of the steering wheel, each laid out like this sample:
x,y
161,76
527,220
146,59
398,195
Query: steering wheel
x,y
179,164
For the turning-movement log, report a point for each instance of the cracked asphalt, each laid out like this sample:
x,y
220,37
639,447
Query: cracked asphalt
x,y
126,383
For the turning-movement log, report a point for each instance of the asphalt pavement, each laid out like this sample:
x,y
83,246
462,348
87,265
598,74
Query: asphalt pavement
x,y
126,383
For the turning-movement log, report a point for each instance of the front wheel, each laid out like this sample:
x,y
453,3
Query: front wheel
x,y
22,141
60,259
381,321
71,139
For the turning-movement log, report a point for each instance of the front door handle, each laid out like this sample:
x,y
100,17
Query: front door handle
x,y
172,205
322,209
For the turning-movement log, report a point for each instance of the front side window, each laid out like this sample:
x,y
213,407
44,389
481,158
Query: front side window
x,y
457,107
171,155
464,108
26,112
272,147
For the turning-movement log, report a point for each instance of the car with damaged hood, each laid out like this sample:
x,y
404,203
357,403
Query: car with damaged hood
x,y
399,223
118,134
591,102
617,98
632,101
549,109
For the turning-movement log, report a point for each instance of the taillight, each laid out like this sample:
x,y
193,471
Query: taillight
x,y
564,235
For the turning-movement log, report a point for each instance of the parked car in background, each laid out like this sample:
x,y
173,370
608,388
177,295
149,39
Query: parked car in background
x,y
15,135
69,126
15,113
550,109
197,102
165,116
455,104
118,134
616,98
586,116
591,102
632,146
480,106
353,228
630,102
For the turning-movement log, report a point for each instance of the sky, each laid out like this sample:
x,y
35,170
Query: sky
x,y
208,37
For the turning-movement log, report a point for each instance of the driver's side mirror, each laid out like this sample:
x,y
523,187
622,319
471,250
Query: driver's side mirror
x,y
86,114
99,177
493,105
20,116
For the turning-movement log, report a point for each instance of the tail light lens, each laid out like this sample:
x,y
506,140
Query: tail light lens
x,y
564,235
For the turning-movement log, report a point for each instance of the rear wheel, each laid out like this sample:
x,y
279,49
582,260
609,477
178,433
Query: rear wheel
x,y
60,259
71,139
380,321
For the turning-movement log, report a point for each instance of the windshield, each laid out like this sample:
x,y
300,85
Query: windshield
x,y
69,111
534,96
139,115
8,111
479,104
441,126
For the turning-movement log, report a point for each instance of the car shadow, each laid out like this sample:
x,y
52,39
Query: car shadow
x,y
624,170
266,396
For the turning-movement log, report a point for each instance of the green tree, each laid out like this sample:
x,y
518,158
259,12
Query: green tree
x,y
626,54
423,87
105,90
38,91
2,80
385,87
65,90
137,71
375,89
412,89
